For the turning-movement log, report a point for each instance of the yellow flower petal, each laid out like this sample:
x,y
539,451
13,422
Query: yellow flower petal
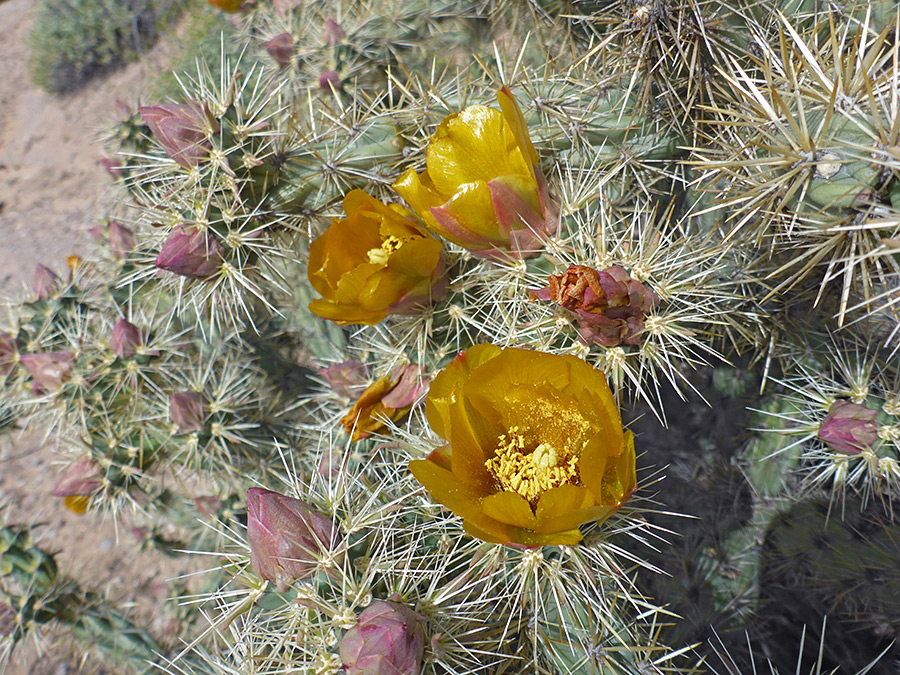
x,y
476,144
510,508
418,191
516,121
447,385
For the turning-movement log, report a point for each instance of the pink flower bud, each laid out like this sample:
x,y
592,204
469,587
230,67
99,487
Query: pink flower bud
x,y
8,354
346,379
333,33
280,48
388,639
329,80
208,505
181,130
287,537
81,479
188,410
121,239
849,428
47,369
125,339
113,167
192,253
9,620
45,283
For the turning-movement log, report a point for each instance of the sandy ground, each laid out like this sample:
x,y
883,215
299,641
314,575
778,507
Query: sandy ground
x,y
51,190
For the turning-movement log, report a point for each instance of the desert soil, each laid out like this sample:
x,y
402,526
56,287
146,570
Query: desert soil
x,y
52,189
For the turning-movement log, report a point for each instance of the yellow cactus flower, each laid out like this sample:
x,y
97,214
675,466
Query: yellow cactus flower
x,y
376,261
483,188
535,446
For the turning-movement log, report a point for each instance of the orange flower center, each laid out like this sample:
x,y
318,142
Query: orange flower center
x,y
380,256
530,474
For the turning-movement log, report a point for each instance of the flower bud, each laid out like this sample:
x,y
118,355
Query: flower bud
x,y
286,536
181,129
280,48
389,397
388,639
849,428
9,354
346,378
188,410
192,253
125,339
9,621
121,239
48,370
329,80
113,167
208,505
608,306
333,33
81,479
45,283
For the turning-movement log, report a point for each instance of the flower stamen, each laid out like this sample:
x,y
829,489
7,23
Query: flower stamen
x,y
530,474
380,256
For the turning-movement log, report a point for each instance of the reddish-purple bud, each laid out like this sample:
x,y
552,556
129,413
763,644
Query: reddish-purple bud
x,y
125,339
121,239
48,370
287,537
388,639
190,252
208,505
188,410
333,33
112,166
45,283
849,428
181,129
9,354
9,619
280,48
329,80
347,379
81,479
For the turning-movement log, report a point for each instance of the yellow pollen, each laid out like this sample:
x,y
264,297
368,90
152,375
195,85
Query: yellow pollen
x,y
380,256
530,474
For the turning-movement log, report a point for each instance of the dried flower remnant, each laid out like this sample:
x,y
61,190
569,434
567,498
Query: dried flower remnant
x,y
188,410
849,428
535,446
483,188
191,253
79,482
388,639
227,5
376,261
608,306
182,129
287,537
389,397
280,48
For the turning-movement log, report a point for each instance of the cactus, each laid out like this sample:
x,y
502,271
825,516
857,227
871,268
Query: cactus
x,y
305,332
